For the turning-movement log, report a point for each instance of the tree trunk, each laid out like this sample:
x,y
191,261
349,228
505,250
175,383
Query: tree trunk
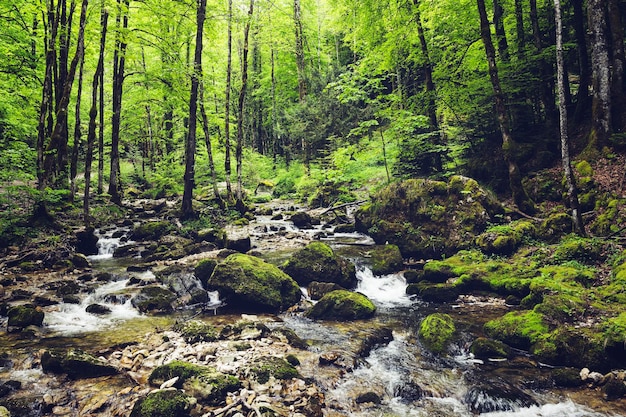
x,y
519,29
582,96
77,132
601,76
618,102
428,70
242,101
91,133
119,62
209,149
498,22
229,70
572,192
190,144
45,113
297,17
53,171
520,197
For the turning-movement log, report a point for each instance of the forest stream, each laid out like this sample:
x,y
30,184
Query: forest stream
x,y
398,378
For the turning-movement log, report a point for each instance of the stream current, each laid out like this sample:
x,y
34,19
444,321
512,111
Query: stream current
x,y
407,379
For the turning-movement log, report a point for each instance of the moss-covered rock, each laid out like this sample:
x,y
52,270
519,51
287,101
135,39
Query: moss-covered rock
x,y
202,382
342,305
386,259
204,269
519,329
437,331
170,403
194,331
154,299
151,230
428,219
269,366
22,316
318,262
567,377
504,239
483,348
436,293
317,289
247,283
76,363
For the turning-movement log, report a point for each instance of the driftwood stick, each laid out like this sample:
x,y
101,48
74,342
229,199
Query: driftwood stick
x,y
354,203
223,410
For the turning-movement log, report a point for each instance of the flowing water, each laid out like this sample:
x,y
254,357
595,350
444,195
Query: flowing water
x,y
405,379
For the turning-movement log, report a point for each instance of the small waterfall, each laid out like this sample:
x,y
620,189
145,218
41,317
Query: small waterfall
x,y
108,241
385,291
71,319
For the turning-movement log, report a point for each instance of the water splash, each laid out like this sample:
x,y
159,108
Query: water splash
x,y
385,291
108,241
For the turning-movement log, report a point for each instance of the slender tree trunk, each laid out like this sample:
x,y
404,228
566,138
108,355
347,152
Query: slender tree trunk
x,y
297,17
520,197
190,144
565,158
547,73
209,149
428,70
519,29
229,70
52,165
498,22
77,132
618,101
242,102
119,62
45,114
601,75
274,115
582,96
91,132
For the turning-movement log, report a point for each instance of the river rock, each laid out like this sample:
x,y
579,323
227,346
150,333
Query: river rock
x,y
437,331
154,299
483,348
238,239
97,309
151,230
76,363
496,395
342,305
248,284
385,259
427,218
318,262
163,403
86,242
23,316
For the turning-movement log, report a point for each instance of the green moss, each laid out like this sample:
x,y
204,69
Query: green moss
x,y
181,369
386,259
204,269
576,248
342,305
584,169
152,230
194,331
318,262
437,331
24,316
519,329
162,404
269,366
483,348
247,283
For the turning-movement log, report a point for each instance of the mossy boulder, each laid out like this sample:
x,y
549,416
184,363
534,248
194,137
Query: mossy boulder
x,y
154,299
437,331
22,316
194,331
505,239
318,262
567,377
386,259
204,269
428,219
483,348
151,230
342,305
248,284
519,329
170,403
76,363
436,293
268,366
202,382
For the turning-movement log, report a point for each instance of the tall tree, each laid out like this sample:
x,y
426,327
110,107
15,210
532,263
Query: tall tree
x,y
618,65
584,69
428,70
119,62
572,192
229,71
509,146
242,101
601,75
190,144
77,132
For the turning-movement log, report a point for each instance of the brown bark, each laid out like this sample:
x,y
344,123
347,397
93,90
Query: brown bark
x,y
520,197
241,105
601,76
119,62
190,144
572,192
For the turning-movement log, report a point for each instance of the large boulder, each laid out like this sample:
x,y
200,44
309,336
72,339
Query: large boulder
x,y
342,305
437,331
318,262
248,284
75,363
426,218
22,316
154,299
86,242
170,403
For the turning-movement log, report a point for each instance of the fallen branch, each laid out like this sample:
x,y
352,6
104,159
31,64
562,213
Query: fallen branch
x,y
223,410
342,206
